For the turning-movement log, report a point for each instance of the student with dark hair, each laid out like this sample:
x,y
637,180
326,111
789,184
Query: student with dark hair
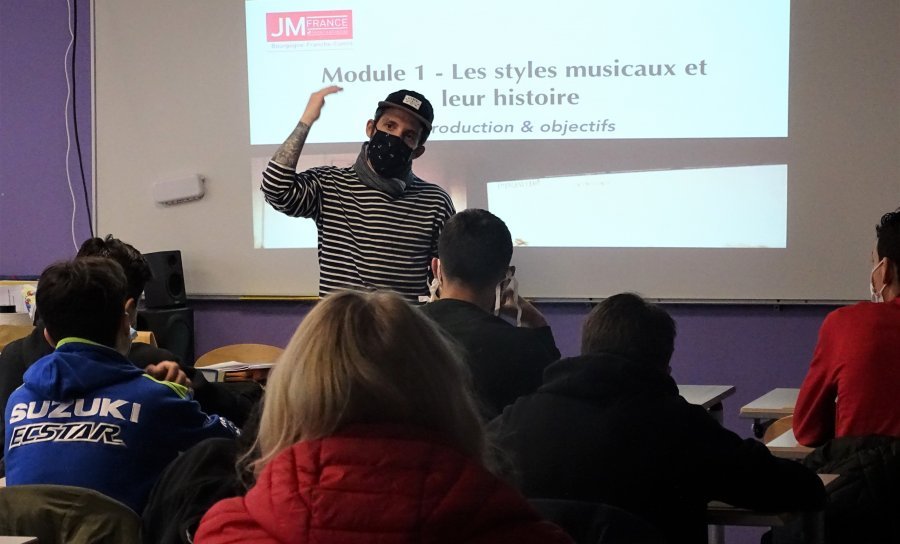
x,y
85,415
609,427
852,383
137,271
213,470
159,363
378,223
506,361
628,326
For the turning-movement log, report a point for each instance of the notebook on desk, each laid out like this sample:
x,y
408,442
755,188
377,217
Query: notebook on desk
x,y
234,371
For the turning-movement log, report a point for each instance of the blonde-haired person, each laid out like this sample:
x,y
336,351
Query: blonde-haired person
x,y
369,432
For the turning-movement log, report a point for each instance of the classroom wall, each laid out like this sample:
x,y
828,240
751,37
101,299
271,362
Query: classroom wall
x,y
753,347
35,201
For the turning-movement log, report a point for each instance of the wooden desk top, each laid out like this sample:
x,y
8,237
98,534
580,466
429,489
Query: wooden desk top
x,y
705,395
786,446
775,404
18,540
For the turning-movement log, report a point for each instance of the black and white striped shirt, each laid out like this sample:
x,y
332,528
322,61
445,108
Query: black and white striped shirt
x,y
367,238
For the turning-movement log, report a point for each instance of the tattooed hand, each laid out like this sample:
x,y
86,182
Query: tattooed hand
x,y
289,152
315,104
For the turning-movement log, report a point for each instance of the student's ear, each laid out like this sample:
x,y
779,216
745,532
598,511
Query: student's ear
x,y
436,267
370,128
130,317
48,338
417,152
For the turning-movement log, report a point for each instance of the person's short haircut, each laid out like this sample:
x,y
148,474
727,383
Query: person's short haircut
x,y
888,234
628,326
84,298
137,271
475,248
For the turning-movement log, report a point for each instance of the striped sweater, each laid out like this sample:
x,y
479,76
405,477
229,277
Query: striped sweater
x,y
367,238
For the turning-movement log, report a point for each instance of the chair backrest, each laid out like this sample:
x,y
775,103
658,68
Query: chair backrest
x,y
147,337
778,428
66,515
596,523
244,353
8,333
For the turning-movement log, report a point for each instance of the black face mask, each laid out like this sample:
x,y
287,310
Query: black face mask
x,y
389,155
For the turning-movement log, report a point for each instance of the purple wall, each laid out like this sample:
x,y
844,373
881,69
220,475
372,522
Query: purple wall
x,y
35,203
755,348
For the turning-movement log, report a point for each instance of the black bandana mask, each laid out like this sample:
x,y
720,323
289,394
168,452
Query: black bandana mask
x,y
389,155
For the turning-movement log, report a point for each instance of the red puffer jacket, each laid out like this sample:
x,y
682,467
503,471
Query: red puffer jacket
x,y
376,483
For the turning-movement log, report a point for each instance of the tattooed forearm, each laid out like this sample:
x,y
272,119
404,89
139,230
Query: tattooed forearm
x,y
289,152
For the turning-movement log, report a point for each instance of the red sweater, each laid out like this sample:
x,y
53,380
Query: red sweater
x,y
853,384
376,483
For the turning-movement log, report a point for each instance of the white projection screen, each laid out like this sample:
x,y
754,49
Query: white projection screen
x,y
699,150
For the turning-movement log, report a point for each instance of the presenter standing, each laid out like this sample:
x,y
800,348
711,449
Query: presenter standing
x,y
378,224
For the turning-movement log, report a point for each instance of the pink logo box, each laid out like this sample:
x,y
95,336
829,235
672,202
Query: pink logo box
x,y
300,26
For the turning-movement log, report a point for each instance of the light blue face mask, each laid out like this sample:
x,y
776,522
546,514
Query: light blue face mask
x,y
132,333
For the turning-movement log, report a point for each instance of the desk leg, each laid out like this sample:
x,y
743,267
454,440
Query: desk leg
x,y
717,412
809,528
716,533
814,527
759,427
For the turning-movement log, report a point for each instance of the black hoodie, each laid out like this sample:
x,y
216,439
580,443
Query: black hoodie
x,y
605,429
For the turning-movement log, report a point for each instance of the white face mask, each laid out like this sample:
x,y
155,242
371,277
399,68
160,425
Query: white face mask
x,y
512,287
876,296
433,289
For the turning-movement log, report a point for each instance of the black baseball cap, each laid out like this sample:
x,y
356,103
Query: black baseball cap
x,y
416,104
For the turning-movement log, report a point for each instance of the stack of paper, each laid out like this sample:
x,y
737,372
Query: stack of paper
x,y
234,371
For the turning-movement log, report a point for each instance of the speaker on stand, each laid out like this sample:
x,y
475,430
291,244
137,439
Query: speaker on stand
x,y
165,312
166,288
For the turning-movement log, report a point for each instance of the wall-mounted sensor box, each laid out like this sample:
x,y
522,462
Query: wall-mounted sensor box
x,y
179,190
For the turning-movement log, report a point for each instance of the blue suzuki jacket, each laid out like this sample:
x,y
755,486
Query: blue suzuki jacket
x,y
85,416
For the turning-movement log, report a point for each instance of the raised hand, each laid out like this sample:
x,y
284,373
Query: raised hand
x,y
289,152
316,103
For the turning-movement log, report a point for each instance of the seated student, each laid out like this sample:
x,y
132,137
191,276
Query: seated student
x,y
852,383
85,415
610,427
159,363
214,469
369,433
506,362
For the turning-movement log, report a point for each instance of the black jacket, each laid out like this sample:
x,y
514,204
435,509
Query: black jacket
x,y
864,502
506,361
213,470
605,429
190,485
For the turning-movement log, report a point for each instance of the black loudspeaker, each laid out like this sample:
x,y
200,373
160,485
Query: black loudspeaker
x,y
174,330
166,288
